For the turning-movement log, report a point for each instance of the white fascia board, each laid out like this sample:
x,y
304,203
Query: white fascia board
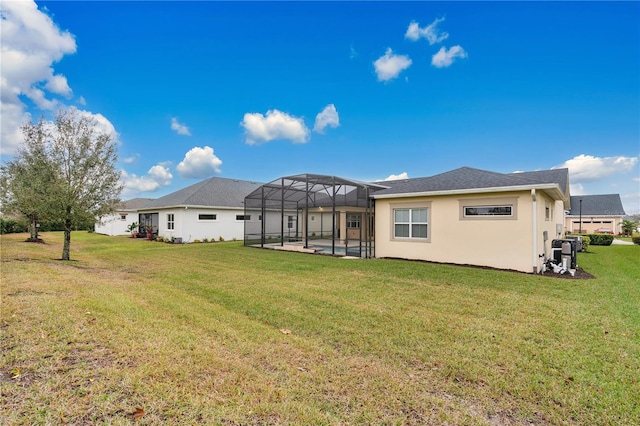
x,y
551,188
182,206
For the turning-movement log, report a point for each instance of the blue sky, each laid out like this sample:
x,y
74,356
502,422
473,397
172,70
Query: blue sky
x,y
259,90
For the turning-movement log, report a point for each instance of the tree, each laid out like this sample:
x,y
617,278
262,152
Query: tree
x,y
65,171
24,181
628,226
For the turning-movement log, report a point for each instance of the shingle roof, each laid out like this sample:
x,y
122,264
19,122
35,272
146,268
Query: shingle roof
x,y
597,205
470,178
212,192
134,203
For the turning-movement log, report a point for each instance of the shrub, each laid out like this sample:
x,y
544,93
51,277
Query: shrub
x,y
221,239
585,242
635,238
12,226
205,240
600,239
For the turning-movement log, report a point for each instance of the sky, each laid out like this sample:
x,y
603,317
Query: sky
x,y
362,90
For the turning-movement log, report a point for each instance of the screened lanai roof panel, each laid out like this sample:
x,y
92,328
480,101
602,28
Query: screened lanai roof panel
x,y
319,188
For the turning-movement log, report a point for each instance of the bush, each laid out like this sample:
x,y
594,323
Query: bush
x,y
12,226
600,239
221,239
635,238
585,242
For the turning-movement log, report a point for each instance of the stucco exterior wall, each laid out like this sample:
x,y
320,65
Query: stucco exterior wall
x,y
189,227
591,223
505,243
115,225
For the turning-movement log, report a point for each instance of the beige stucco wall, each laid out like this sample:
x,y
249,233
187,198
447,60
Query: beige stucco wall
x,y
591,223
495,242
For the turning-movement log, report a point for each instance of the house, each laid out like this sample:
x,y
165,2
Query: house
x,y
211,209
474,217
125,215
464,216
591,214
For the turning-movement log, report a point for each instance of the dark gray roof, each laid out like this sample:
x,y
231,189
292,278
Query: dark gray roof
x,y
597,205
470,178
134,203
212,192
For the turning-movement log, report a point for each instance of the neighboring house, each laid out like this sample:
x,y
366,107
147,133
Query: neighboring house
x,y
464,216
209,209
595,213
125,215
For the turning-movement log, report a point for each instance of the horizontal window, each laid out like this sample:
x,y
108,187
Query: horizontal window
x,y
243,217
207,216
488,211
502,208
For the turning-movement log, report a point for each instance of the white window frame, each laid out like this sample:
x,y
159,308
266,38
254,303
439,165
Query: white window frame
x,y
426,205
171,222
511,202
243,217
215,217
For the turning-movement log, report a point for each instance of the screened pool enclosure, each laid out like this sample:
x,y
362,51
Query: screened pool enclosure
x,y
313,214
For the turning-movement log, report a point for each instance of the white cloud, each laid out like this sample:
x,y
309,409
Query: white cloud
x,y
327,117
102,125
576,189
635,179
401,176
132,159
156,177
180,129
389,66
430,32
199,163
58,84
274,125
445,57
82,100
584,168
353,53
31,43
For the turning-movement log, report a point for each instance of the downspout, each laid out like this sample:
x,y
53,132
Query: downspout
x,y
535,231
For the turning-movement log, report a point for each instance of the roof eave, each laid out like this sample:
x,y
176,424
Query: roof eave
x,y
551,188
192,206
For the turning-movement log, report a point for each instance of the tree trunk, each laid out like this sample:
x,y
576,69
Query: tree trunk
x,y
67,240
33,228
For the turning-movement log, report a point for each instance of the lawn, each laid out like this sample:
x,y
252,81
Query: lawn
x,y
138,331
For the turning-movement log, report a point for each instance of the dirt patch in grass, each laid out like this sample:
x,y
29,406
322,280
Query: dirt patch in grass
x,y
580,274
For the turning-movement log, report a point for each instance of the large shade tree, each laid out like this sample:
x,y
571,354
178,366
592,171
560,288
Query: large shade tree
x,y
65,170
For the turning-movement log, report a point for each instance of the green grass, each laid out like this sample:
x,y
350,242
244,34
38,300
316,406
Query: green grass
x,y
193,334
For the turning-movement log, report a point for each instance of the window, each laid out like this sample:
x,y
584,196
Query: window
x,y
488,211
410,223
353,221
243,217
170,221
492,209
547,211
207,216
123,217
